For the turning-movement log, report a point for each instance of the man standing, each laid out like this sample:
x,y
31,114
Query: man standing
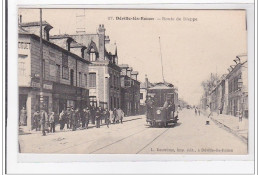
x,y
78,117
208,112
52,122
83,118
149,107
36,117
86,114
62,119
69,118
44,120
115,116
93,115
73,119
98,115
107,117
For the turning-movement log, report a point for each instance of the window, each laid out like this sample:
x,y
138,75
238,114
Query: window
x,y
80,79
58,73
92,55
141,96
65,73
93,101
72,77
64,60
92,80
21,68
86,79
65,69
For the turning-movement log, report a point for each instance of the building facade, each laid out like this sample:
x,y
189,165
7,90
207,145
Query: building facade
x,y
130,90
65,75
104,72
238,89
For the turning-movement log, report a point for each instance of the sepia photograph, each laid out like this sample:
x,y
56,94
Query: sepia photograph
x,y
132,81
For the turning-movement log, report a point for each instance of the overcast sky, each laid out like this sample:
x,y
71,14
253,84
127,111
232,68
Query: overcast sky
x,y
190,50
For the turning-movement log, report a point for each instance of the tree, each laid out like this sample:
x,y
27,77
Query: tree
x,y
209,84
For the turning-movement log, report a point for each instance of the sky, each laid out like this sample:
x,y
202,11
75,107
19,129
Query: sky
x,y
191,50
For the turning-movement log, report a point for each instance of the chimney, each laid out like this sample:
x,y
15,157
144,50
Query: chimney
x,y
101,36
146,81
20,19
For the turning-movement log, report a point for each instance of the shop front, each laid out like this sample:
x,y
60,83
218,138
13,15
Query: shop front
x,y
69,96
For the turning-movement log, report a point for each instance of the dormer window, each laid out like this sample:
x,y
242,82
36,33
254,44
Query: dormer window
x,y
92,55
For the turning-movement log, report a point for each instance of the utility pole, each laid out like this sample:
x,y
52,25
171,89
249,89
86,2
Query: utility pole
x,y
41,65
161,59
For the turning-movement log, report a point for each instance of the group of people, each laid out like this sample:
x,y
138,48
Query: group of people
x,y
74,119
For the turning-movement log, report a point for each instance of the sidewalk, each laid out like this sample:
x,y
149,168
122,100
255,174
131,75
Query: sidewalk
x,y
233,125
24,131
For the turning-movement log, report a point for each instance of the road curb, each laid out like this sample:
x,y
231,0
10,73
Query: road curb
x,y
242,138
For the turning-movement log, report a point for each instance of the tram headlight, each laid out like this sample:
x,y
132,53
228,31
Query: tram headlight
x,y
158,112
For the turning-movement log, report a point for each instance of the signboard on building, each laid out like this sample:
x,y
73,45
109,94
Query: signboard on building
x,y
45,85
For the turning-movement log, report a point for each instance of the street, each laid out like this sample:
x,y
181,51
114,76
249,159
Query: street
x,y
189,136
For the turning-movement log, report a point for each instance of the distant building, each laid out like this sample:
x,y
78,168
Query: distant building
x,y
143,94
65,74
130,90
230,95
218,96
238,88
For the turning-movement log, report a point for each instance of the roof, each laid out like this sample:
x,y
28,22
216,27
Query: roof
x,y
75,44
134,73
123,65
162,86
36,23
21,30
56,46
60,36
86,39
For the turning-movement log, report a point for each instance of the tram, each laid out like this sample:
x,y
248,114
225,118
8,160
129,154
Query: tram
x,y
161,103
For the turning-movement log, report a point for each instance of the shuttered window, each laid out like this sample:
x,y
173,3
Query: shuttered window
x,y
92,80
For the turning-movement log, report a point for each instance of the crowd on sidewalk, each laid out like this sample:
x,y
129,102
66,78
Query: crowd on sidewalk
x,y
74,119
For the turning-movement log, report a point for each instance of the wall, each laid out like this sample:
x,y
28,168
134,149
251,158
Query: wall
x,y
24,62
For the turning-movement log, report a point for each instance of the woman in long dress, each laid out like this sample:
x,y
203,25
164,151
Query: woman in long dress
x,y
23,117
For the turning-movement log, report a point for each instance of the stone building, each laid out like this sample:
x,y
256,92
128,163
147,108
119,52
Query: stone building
x,y
238,88
65,75
130,90
104,72
219,95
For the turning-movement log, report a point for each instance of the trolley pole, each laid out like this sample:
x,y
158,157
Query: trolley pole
x,y
41,65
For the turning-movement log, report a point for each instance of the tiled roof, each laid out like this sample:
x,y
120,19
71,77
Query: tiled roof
x,y
37,23
123,65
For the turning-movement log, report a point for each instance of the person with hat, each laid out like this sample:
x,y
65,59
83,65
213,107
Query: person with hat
x,y
52,122
36,120
62,119
86,115
98,115
44,121
73,119
68,117
107,117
